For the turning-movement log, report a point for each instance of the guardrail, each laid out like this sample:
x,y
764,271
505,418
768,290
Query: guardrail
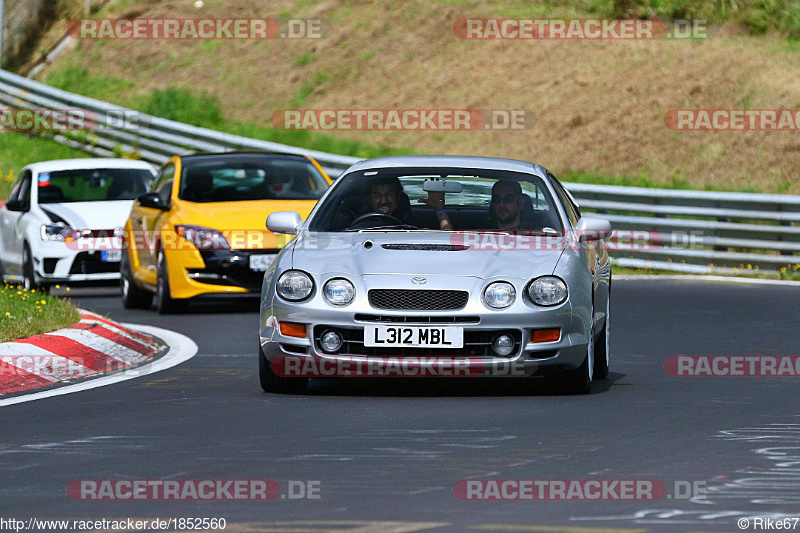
x,y
689,231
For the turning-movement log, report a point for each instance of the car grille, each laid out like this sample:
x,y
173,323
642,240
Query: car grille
x,y
90,263
362,317
477,343
423,300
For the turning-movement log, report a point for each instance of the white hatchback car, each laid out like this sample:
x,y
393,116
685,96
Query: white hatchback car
x,y
56,214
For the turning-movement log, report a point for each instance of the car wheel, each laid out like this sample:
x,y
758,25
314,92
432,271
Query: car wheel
x,y
28,275
602,353
165,303
132,296
271,382
578,380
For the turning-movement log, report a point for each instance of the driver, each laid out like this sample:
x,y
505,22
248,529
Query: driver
x,y
386,196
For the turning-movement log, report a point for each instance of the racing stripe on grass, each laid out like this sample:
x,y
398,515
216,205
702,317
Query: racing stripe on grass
x,y
93,346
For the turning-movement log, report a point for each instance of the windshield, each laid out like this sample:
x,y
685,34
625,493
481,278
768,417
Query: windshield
x,y
92,185
486,200
237,178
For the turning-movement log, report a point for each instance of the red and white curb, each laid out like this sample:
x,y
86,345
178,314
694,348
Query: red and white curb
x,y
88,349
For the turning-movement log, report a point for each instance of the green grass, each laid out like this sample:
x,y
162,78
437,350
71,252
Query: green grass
x,y
204,110
26,313
18,150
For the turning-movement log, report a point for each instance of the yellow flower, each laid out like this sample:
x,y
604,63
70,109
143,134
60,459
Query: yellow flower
x,y
67,289
58,286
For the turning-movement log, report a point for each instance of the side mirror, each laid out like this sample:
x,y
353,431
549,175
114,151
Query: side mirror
x,y
284,222
593,229
153,201
15,205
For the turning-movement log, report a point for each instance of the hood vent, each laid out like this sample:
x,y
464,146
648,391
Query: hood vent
x,y
427,247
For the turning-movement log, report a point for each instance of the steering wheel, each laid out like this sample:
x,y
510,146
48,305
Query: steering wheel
x,y
375,215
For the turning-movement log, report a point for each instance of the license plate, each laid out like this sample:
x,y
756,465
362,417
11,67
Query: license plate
x,y
260,263
414,336
111,256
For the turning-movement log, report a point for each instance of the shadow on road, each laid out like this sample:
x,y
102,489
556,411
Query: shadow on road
x,y
439,387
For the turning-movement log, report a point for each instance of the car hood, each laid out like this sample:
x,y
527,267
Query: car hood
x,y
242,215
90,215
243,222
404,253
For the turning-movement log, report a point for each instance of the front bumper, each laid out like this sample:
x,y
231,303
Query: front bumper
x,y
57,263
195,273
479,324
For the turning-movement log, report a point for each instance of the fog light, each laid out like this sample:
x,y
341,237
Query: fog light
x,y
503,345
330,341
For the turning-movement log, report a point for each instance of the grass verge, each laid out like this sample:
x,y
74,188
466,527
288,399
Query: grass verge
x,y
26,313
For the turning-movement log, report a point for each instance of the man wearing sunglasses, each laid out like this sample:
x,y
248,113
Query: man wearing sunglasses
x,y
507,206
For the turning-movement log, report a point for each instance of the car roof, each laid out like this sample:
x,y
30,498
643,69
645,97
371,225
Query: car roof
x,y
87,163
253,153
444,161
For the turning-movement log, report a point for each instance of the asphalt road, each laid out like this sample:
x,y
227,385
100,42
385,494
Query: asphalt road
x,y
386,454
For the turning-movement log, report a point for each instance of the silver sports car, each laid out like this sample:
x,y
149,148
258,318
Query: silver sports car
x,y
438,266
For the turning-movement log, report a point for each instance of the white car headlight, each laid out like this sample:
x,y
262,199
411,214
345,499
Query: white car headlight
x,y
294,285
547,291
55,232
339,292
499,294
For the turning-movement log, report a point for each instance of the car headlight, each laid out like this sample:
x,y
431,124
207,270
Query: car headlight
x,y
339,291
203,238
547,291
60,233
294,285
499,294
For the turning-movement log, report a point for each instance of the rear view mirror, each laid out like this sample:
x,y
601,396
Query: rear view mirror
x,y
442,186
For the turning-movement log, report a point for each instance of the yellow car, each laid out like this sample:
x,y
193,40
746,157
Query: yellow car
x,y
201,229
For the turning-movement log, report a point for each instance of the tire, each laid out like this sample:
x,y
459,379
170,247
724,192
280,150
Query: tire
x,y
578,380
602,351
271,382
28,274
132,296
165,303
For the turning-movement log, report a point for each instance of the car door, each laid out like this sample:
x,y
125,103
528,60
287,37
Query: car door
x,y
11,220
146,224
